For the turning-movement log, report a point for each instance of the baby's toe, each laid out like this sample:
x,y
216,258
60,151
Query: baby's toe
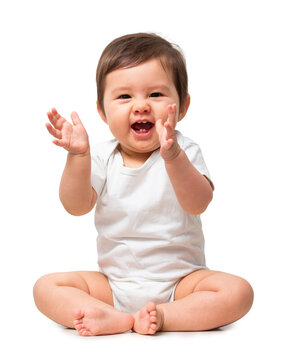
x,y
84,332
153,319
152,330
151,307
77,314
153,326
153,313
79,327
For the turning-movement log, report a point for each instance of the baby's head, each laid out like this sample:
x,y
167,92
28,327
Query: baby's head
x,y
131,50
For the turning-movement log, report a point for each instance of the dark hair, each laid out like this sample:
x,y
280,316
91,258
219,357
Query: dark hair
x,y
134,49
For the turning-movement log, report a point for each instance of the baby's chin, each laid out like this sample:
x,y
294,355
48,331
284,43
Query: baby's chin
x,y
145,150
149,150
139,150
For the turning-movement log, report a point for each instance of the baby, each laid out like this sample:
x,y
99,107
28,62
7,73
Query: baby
x,y
149,184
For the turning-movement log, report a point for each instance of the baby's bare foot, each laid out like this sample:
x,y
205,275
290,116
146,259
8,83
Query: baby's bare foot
x,y
148,320
100,321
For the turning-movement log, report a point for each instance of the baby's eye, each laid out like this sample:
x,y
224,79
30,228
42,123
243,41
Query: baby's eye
x,y
124,96
156,94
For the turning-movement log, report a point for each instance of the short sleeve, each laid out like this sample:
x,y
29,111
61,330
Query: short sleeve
x,y
195,156
98,171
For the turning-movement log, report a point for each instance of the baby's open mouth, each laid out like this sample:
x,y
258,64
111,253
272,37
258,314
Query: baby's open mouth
x,y
142,126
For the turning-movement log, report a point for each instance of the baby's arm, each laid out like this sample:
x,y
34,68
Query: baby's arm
x,y
76,192
192,189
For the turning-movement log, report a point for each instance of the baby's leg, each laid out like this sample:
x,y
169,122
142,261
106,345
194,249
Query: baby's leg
x,y
206,300
82,300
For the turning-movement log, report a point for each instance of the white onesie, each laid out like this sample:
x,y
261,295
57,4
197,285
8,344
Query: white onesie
x,y
146,242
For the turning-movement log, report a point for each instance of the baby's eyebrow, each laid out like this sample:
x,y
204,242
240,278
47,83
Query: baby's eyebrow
x,y
121,88
150,88
159,87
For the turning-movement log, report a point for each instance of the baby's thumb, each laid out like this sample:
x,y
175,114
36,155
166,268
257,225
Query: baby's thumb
x,y
75,118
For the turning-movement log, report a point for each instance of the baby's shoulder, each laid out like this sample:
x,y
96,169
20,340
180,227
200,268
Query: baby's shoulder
x,y
102,151
185,142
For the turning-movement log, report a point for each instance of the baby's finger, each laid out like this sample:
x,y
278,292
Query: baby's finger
x,y
59,143
75,118
161,130
54,132
170,130
50,117
172,115
55,118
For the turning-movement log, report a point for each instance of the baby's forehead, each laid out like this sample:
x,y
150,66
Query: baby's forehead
x,y
150,71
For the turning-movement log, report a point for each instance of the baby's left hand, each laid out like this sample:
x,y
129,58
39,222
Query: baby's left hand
x,y
169,147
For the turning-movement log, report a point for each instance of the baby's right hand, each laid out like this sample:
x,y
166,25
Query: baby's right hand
x,y
73,138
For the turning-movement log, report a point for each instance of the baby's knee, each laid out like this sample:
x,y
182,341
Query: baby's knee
x,y
46,283
42,285
242,295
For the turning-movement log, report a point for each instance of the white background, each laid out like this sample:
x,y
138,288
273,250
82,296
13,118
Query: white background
x,y
241,63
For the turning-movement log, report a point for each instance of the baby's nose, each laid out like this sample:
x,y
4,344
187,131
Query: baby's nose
x,y
141,106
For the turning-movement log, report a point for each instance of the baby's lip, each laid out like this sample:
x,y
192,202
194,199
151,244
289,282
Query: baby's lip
x,y
142,120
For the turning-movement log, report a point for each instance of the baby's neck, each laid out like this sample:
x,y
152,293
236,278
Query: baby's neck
x,y
133,160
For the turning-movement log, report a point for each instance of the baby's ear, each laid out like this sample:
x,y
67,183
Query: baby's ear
x,y
101,112
184,108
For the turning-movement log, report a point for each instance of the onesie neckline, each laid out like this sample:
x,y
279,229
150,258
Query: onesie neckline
x,y
135,171
148,163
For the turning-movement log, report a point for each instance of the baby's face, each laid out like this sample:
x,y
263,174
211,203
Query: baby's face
x,y
134,99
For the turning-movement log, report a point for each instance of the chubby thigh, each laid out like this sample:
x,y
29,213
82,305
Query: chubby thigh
x,y
98,285
231,286
92,283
